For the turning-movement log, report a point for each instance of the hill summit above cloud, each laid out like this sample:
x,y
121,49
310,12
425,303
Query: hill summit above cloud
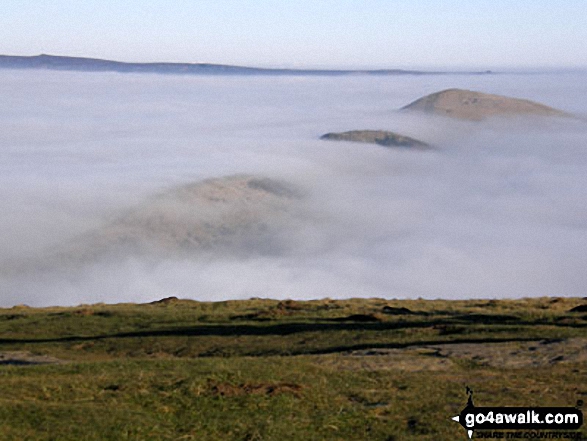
x,y
237,215
241,212
476,106
379,137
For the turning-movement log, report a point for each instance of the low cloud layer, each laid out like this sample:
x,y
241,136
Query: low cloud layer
x,y
496,210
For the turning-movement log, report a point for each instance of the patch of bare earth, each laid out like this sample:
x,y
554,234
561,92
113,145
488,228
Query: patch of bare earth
x,y
22,358
518,354
412,360
444,356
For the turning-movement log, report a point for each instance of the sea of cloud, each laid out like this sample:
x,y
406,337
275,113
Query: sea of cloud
x,y
497,209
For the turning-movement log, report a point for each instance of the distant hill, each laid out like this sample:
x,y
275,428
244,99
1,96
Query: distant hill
x,y
379,137
52,62
471,105
239,214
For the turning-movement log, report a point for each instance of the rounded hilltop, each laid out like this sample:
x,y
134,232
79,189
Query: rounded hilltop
x,y
476,106
237,214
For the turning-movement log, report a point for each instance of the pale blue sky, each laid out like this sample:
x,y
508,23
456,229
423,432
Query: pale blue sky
x,y
485,34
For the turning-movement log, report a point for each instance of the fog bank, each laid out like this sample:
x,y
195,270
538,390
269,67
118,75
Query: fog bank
x,y
497,209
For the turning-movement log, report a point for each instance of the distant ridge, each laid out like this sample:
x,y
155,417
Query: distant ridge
x,y
52,62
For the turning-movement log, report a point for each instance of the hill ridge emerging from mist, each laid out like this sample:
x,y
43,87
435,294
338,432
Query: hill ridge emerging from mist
x,y
380,137
476,106
83,64
240,213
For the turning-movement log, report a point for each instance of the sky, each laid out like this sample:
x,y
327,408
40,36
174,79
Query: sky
x,y
483,34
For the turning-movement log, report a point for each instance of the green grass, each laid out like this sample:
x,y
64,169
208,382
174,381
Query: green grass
x,y
265,370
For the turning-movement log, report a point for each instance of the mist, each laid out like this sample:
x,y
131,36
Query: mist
x,y
496,210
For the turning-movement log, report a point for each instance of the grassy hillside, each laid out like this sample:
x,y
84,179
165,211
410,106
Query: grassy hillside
x,y
266,370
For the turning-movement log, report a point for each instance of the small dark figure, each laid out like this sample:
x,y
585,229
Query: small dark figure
x,y
470,393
